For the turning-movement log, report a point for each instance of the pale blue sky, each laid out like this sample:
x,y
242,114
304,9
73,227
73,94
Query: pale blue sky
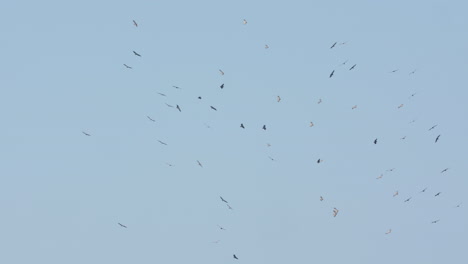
x,y
63,193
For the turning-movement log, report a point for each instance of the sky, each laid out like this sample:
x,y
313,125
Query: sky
x,y
63,194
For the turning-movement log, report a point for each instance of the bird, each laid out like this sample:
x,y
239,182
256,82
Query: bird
x,y
245,22
412,72
222,228
321,198
412,121
311,124
220,71
437,194
169,164
407,200
216,242
222,199
437,138
400,106
388,232
354,107
264,127
375,141
434,126
235,256
86,133
242,125
199,97
344,62
169,105
177,87
458,205
335,212
272,159
435,221
334,44
266,46
395,194
162,94
380,177
178,108
319,160
331,74
392,169
135,23
444,170
352,67
268,145
199,164
230,208
221,86
212,107
164,143
403,138
278,98
136,54
150,118
319,101
128,67
124,226
394,71
424,189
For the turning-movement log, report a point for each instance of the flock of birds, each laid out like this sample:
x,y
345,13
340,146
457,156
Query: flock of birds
x,y
335,211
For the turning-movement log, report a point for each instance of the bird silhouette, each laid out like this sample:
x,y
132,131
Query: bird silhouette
x,y
407,200
214,108
245,22
424,189
335,212
334,44
395,194
319,101
222,199
394,71
331,74
278,99
178,108
124,226
234,256
177,87
264,127
311,124
321,198
354,107
199,164
220,71
169,105
230,208
388,232
352,67
136,54
164,143
437,138
242,125
375,141
135,23
86,133
161,94
266,46
128,67
221,86
150,118
222,228
437,194
319,160
199,97
380,177
444,170
400,106
434,126
435,222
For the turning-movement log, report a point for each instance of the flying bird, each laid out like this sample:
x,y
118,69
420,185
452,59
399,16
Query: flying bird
x,y
230,208
400,106
266,46
161,94
245,22
268,145
395,194
311,124
220,71
150,118
388,232
424,189
412,72
235,256
86,133
213,108
136,54
437,194
222,199
437,138
354,107
334,44
242,125
199,164
434,126
319,160
321,198
319,101
264,127
164,143
128,67
331,74
375,141
403,138
380,177
407,200
222,228
221,86
352,67
124,226
394,71
135,23
278,99
177,87
444,170
169,105
272,159
199,97
335,212
392,169
435,222
178,108
169,164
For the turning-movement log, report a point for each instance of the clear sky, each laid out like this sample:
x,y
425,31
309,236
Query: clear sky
x,y
62,193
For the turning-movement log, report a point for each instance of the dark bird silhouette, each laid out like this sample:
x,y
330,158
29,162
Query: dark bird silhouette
x,y
135,23
434,126
169,105
199,97
199,164
86,133
150,118
444,170
178,108
221,72
334,44
412,72
128,67
161,94
375,141
424,189
331,74
264,127
352,67
222,228
392,169
222,199
403,138
335,212
435,222
319,160
242,125
437,138
437,194
407,200
136,54
124,226
230,208
235,256
177,87
162,142
222,86
271,158
321,198
213,108
394,71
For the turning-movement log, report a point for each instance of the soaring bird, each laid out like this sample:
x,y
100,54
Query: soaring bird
x,y
380,177
264,127
212,107
311,124
354,107
407,200
331,74
335,212
403,138
395,194
319,101
150,118
178,108
242,125
135,23
122,225
388,232
321,198
199,164
437,138
400,106
169,105
266,46
164,143
435,222
235,256
394,71
444,170
319,160
272,159
223,199
437,194
136,54
334,44
434,126
229,207
412,72
222,228
278,98
375,141
392,169
128,67
424,189
352,67
86,133
161,94
220,71
245,22
177,87
221,86
268,145
199,97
